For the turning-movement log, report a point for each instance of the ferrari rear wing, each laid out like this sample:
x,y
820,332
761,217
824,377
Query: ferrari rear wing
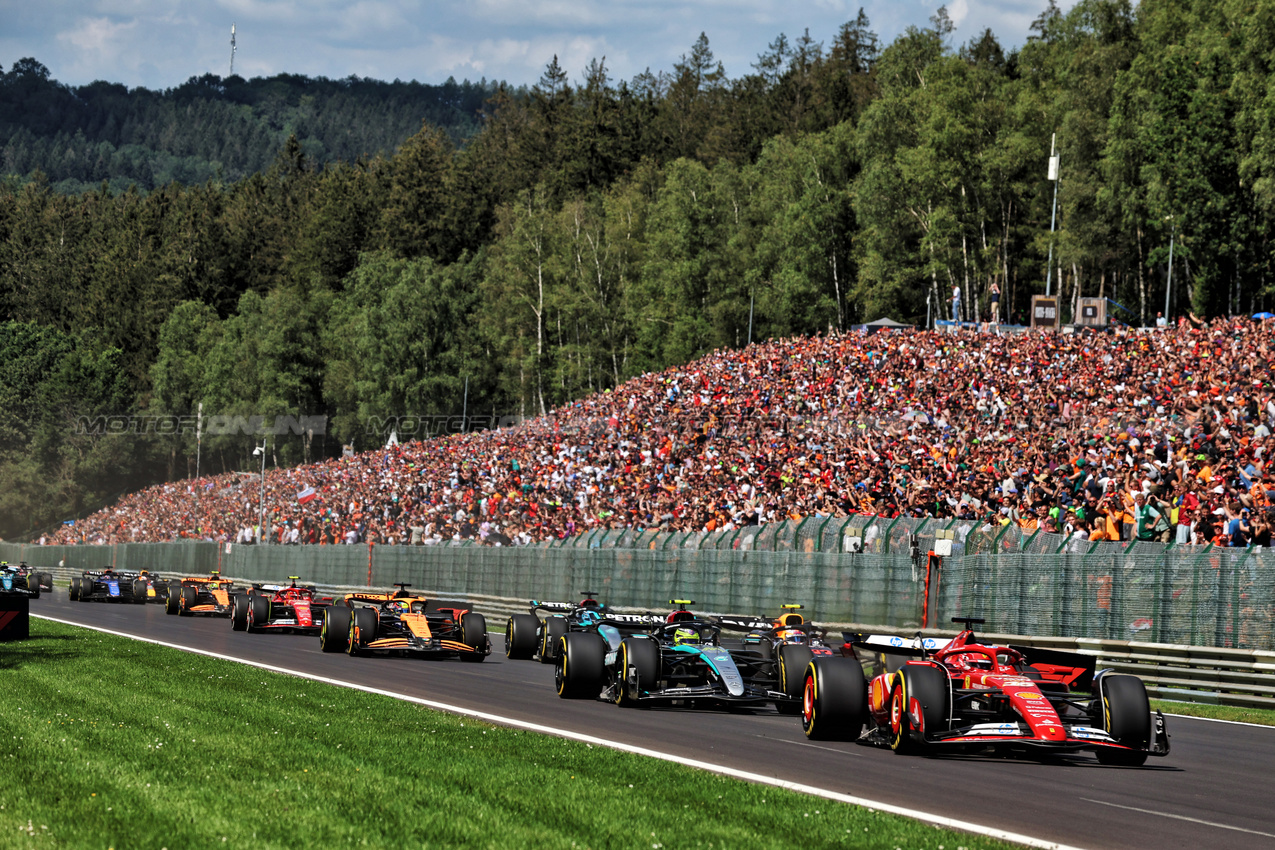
x,y
895,645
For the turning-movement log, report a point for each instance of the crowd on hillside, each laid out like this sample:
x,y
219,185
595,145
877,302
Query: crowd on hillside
x,y
1155,435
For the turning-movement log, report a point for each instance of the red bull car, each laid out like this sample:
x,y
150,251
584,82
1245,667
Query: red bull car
x,y
149,587
790,642
279,607
203,596
935,695
406,624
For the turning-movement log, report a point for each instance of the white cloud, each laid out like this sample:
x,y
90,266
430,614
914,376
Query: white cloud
x,y
98,35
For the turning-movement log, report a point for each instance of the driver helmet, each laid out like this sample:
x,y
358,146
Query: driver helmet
x,y
792,635
400,606
683,635
590,618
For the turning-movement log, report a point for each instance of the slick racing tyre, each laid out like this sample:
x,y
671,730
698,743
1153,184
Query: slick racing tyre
x,y
172,605
86,590
918,706
74,592
335,634
791,670
551,639
473,633
520,635
139,591
834,699
258,611
239,612
578,671
363,624
33,585
1126,716
639,669
189,598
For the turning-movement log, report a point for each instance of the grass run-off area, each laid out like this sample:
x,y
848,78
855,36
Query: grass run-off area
x,y
1261,716
110,742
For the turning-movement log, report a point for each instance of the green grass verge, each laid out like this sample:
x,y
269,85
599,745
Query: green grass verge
x,y
109,742
1263,716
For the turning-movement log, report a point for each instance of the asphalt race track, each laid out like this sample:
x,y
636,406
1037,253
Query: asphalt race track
x,y
1211,790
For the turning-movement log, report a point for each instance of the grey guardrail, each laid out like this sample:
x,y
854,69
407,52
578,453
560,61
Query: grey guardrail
x,y
1202,674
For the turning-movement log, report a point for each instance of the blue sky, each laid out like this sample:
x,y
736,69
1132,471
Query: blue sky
x,y
161,44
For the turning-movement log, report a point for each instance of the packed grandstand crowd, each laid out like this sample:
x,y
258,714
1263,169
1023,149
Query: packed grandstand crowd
x,y
1158,435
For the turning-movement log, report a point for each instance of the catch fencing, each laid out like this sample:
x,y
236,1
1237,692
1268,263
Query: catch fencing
x,y
860,569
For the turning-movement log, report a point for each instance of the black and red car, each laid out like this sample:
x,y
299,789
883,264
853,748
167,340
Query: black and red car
x,y
935,695
279,607
790,642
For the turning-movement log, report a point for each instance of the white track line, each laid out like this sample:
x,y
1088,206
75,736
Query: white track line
x,y
1180,817
1220,720
926,817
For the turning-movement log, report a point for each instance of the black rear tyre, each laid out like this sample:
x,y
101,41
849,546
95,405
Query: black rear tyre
x,y
189,598
639,669
172,603
579,669
791,671
335,634
239,612
473,633
363,623
74,592
1126,716
139,591
834,699
520,635
551,639
258,611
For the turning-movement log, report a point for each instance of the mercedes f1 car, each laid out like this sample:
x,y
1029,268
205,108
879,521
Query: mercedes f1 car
x,y
106,585
207,596
283,607
530,636
935,695
404,623
679,661
19,581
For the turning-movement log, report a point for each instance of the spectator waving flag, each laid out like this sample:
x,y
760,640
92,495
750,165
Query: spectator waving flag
x,y
306,495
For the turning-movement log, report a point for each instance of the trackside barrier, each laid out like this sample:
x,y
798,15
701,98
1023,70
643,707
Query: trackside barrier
x,y
1201,674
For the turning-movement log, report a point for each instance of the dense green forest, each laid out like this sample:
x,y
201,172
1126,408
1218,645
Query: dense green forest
x,y
211,128
593,230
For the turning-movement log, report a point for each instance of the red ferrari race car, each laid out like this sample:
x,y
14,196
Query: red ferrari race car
x,y
933,695
401,622
271,607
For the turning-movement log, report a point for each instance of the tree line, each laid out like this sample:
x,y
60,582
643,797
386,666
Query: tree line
x,y
212,128
595,230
